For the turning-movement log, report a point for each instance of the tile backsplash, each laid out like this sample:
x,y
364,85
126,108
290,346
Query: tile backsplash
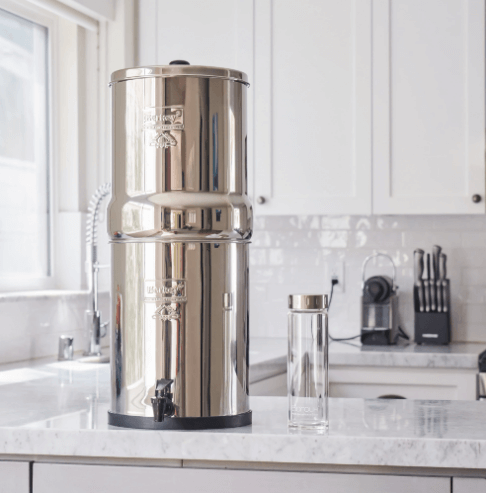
x,y
32,322
291,254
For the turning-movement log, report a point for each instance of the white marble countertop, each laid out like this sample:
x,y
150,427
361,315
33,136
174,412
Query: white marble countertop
x,y
60,409
271,354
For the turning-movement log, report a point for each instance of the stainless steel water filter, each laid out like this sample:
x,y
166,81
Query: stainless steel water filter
x,y
180,223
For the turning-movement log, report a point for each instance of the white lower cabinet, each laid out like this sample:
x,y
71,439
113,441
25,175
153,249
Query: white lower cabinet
x,y
276,385
375,382
469,485
410,383
14,477
66,478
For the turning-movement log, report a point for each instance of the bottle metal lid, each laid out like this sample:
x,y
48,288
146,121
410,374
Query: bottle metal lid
x,y
308,301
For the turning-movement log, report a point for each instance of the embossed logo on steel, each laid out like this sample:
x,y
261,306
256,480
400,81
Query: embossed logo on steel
x,y
160,123
168,295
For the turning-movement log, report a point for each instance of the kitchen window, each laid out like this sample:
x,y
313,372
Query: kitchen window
x,y
25,219
53,141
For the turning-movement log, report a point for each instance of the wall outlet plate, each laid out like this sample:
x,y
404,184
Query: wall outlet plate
x,y
335,270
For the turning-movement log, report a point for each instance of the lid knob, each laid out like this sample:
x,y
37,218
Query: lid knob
x,y
179,62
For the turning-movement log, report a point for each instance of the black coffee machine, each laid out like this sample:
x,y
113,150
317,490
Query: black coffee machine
x,y
379,307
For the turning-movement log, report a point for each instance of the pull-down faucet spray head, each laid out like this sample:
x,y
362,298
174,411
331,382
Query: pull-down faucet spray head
x,y
95,329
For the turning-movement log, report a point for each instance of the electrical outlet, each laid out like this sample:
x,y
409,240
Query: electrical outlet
x,y
336,271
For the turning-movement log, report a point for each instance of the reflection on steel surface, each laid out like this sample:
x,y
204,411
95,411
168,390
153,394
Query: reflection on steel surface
x,y
180,222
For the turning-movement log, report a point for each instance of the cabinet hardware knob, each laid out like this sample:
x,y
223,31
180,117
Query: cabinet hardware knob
x,y
260,200
476,198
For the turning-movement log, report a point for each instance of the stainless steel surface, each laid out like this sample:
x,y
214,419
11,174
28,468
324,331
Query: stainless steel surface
x,y
418,258
476,198
94,327
436,287
178,70
171,322
432,285
180,222
443,281
65,348
426,282
308,301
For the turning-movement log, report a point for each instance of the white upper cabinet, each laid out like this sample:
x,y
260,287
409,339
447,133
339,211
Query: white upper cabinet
x,y
428,106
355,106
312,90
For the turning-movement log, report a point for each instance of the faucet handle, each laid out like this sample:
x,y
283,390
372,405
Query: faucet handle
x,y
103,329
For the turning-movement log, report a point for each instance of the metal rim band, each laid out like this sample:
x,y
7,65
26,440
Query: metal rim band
x,y
201,423
170,76
179,240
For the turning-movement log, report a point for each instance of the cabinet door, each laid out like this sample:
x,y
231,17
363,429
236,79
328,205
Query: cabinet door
x,y
217,33
428,106
469,485
412,383
64,478
312,114
14,477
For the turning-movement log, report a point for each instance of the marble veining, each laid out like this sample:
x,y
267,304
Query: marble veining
x,y
63,412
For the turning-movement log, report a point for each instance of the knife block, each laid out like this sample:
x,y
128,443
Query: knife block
x,y
432,328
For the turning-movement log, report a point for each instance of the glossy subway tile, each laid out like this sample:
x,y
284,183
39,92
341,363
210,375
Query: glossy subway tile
x,y
300,249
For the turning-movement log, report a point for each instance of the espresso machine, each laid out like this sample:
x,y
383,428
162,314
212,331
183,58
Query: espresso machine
x,y
379,306
180,223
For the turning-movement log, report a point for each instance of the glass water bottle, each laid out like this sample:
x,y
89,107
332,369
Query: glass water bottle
x,y
308,364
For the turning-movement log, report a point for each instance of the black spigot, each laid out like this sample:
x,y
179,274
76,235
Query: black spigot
x,y
162,402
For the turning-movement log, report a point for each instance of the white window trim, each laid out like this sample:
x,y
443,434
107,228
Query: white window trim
x,y
49,21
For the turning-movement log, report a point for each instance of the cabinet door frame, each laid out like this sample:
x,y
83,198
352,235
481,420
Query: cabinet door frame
x,y
384,202
360,202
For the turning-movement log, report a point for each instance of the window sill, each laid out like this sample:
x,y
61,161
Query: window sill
x,y
44,295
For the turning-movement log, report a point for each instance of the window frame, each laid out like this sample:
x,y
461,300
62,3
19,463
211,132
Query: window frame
x,y
103,43
49,21
66,247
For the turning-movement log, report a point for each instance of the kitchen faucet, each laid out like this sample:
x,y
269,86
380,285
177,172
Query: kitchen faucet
x,y
95,329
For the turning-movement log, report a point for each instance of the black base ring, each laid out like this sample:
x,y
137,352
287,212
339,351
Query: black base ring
x,y
202,423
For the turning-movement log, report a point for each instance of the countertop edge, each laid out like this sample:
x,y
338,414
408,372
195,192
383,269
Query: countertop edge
x,y
239,447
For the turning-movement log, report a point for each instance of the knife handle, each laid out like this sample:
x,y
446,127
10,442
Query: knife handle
x,y
436,250
418,261
418,265
442,266
420,294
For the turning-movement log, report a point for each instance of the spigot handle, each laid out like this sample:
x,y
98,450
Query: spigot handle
x,y
162,387
162,402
